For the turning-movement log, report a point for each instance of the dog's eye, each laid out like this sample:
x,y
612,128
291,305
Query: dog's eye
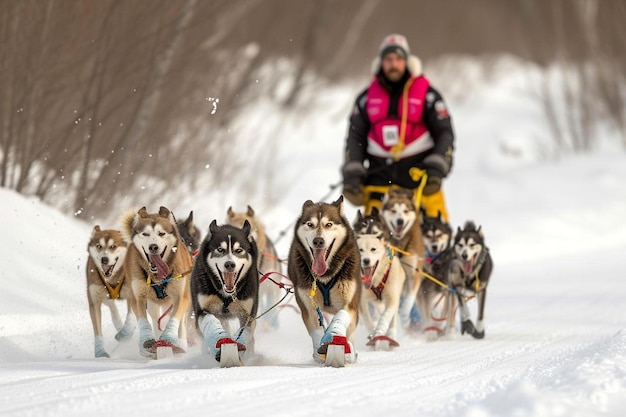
x,y
161,234
98,246
146,234
219,250
238,251
309,224
112,247
329,225
373,250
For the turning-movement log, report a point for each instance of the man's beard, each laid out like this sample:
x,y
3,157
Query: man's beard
x,y
394,75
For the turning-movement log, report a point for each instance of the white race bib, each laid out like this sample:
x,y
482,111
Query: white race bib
x,y
391,135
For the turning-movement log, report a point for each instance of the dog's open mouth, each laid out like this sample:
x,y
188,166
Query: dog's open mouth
x,y
108,269
368,273
468,266
320,256
230,279
398,230
157,265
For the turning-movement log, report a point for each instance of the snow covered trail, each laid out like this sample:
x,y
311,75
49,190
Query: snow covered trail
x,y
554,345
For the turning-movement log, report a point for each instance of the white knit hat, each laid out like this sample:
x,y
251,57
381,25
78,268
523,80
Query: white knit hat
x,y
394,43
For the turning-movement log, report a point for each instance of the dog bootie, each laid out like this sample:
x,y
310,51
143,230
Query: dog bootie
x,y
99,350
213,332
146,338
335,335
128,328
169,337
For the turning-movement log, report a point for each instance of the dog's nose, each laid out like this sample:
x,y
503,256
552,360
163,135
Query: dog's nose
x,y
464,256
400,222
154,248
104,260
366,261
318,242
229,265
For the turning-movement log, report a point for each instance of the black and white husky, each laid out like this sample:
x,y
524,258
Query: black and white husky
x,y
225,286
469,274
462,270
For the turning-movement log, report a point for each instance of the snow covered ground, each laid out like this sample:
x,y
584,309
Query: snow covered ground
x,y
556,330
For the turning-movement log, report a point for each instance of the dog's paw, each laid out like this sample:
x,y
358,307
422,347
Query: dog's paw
x,y
467,327
478,335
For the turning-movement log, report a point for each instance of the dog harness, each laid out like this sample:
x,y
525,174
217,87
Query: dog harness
x,y
114,292
405,134
378,290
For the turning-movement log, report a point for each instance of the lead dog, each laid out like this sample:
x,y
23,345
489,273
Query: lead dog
x,y
324,267
106,283
224,286
383,278
157,266
268,261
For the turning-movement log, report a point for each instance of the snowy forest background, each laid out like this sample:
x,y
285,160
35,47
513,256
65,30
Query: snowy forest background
x,y
97,96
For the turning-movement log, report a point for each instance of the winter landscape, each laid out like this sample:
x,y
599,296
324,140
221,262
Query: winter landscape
x,y
555,340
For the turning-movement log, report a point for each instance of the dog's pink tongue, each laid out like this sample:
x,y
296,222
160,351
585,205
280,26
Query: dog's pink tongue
x,y
368,271
229,281
467,266
319,262
162,269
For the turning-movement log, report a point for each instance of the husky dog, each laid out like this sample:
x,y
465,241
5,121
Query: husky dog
x,y
469,274
105,284
371,224
324,266
402,218
437,235
190,234
383,278
269,291
224,286
435,297
157,266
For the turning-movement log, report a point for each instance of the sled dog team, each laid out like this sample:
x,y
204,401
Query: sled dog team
x,y
392,267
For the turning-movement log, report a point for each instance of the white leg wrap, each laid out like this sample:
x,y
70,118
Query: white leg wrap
x,y
129,327
480,326
338,326
99,350
465,313
316,338
145,332
212,331
170,334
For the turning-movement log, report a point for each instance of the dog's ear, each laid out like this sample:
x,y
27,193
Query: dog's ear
x,y
230,213
250,212
189,218
307,204
375,211
246,230
213,226
164,212
339,204
143,212
96,229
480,232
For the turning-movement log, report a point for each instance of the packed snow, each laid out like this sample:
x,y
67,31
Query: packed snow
x,y
555,340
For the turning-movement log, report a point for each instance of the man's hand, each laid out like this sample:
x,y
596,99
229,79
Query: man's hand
x,y
354,174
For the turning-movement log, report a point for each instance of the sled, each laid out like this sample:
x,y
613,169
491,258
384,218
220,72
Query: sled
x,y
383,343
335,352
165,349
229,353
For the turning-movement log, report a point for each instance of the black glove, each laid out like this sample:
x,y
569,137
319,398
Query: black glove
x,y
354,174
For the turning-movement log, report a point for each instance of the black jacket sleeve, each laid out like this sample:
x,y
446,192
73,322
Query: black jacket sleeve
x,y
439,125
356,141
